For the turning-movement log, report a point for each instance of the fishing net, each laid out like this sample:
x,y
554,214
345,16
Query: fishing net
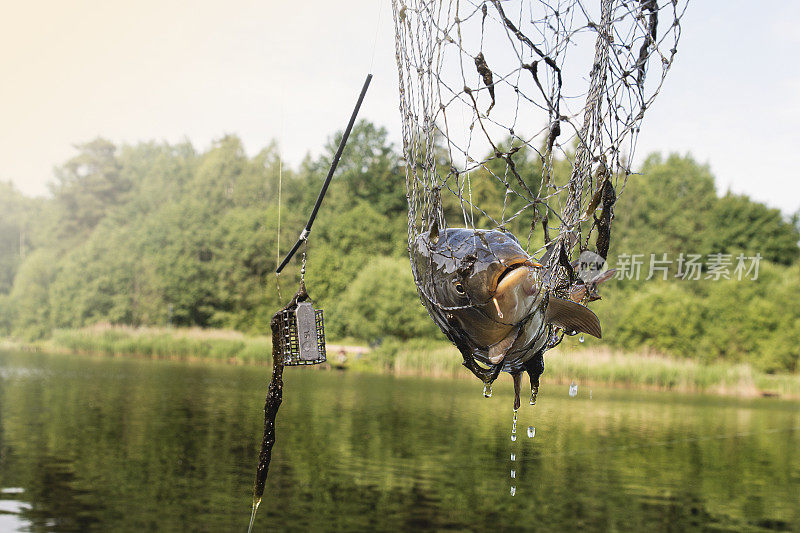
x,y
523,115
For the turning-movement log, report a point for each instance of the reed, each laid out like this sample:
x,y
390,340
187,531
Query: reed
x,y
163,343
586,366
601,366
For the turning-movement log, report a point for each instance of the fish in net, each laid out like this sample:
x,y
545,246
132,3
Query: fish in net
x,y
519,122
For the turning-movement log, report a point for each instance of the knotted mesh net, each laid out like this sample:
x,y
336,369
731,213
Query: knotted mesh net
x,y
523,115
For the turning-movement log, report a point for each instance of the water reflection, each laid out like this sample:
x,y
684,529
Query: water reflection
x,y
110,444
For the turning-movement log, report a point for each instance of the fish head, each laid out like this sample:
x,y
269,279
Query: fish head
x,y
483,280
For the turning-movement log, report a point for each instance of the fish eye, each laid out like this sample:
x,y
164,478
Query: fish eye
x,y
460,289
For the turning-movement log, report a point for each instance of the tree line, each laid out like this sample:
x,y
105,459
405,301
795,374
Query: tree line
x,y
164,234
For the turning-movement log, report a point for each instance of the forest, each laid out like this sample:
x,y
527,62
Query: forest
x,y
157,234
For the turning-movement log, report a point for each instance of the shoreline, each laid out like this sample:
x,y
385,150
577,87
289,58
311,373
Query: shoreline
x,y
598,366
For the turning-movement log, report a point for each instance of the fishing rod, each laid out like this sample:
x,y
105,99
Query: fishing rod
x,y
298,336
304,235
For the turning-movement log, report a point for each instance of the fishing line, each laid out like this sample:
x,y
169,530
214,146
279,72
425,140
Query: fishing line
x,y
375,40
278,247
280,187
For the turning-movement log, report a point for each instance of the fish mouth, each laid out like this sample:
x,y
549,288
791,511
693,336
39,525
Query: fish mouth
x,y
515,292
511,267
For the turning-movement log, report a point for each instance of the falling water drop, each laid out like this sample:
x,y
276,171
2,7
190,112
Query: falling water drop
x,y
514,427
513,453
534,393
580,339
531,432
487,390
573,390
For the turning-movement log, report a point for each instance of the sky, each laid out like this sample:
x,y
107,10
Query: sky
x,y
171,70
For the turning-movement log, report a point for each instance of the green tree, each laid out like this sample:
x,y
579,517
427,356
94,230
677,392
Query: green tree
x,y
17,215
342,243
739,224
30,298
665,209
368,171
87,187
382,301
155,233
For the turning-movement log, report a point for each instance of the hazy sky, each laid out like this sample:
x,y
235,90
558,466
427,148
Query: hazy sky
x,y
171,70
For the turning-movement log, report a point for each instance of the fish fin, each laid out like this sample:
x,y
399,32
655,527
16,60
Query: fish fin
x,y
608,274
571,316
592,287
577,293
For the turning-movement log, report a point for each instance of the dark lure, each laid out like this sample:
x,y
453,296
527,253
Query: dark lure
x,y
487,295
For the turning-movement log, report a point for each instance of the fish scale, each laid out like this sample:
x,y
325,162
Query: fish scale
x,y
499,320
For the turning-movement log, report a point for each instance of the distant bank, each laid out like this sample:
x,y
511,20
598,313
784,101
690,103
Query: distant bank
x,y
585,366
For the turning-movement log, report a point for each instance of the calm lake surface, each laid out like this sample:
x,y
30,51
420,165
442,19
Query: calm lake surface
x,y
132,445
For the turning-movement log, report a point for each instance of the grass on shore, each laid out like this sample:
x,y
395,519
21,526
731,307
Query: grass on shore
x,y
163,343
430,358
602,366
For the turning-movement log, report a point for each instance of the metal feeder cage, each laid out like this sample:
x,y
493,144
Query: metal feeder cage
x,y
302,335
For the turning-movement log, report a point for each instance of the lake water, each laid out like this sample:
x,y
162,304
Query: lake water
x,y
132,445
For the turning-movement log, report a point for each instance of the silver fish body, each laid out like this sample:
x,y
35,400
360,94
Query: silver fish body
x,y
487,295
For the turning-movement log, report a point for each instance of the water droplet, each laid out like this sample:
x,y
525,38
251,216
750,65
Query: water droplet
x,y
573,332
513,438
513,457
580,339
590,394
573,390
513,474
487,390
513,490
534,393
531,432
